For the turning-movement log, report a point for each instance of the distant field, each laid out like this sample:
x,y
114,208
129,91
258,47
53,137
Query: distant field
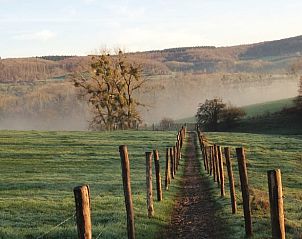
x,y
265,152
255,109
267,107
40,169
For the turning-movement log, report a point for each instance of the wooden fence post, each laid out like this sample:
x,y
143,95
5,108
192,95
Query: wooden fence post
x,y
149,184
218,165
181,138
276,203
172,163
211,160
177,155
245,191
174,159
215,164
167,174
206,158
127,190
157,175
82,202
231,179
221,171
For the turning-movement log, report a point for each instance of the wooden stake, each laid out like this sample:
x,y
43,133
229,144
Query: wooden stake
x,y
276,203
218,165
82,202
177,155
157,175
211,160
231,179
172,162
245,191
167,174
206,149
149,184
127,190
221,171
215,165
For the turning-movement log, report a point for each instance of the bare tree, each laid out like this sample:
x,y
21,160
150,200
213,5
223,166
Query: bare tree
x,y
109,86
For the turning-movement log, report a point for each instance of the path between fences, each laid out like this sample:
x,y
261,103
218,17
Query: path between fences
x,y
194,213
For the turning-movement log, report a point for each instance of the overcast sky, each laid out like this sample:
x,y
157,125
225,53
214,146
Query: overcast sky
x,y
80,27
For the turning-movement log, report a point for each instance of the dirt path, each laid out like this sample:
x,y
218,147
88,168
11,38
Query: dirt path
x,y
194,211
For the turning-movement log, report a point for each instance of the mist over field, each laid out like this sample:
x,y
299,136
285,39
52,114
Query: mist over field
x,y
180,98
167,96
37,93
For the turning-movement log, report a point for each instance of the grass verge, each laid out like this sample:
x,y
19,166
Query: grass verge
x,y
40,169
264,152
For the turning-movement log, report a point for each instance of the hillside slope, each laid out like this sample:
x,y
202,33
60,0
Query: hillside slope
x,y
272,56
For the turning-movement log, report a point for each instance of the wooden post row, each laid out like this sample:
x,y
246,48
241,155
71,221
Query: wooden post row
x,y
127,190
83,218
245,191
157,175
276,203
149,184
231,179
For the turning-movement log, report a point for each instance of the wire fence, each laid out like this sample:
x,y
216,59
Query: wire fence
x,y
56,226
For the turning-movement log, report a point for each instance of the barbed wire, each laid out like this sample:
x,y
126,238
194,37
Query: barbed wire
x,y
56,226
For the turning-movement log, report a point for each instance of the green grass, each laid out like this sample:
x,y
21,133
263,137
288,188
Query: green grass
x,y
40,169
267,107
265,152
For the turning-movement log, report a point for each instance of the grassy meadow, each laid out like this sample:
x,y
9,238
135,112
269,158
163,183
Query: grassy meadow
x,y
264,152
40,169
267,107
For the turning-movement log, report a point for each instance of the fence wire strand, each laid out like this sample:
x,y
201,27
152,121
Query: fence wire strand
x,y
99,236
58,225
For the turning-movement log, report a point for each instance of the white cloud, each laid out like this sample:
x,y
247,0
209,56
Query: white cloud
x,y
43,35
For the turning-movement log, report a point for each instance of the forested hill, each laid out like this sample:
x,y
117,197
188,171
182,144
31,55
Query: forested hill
x,y
280,56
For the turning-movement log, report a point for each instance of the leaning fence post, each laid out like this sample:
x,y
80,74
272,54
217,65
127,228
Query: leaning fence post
x,y
231,179
276,203
245,191
82,202
157,175
127,190
149,184
167,173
